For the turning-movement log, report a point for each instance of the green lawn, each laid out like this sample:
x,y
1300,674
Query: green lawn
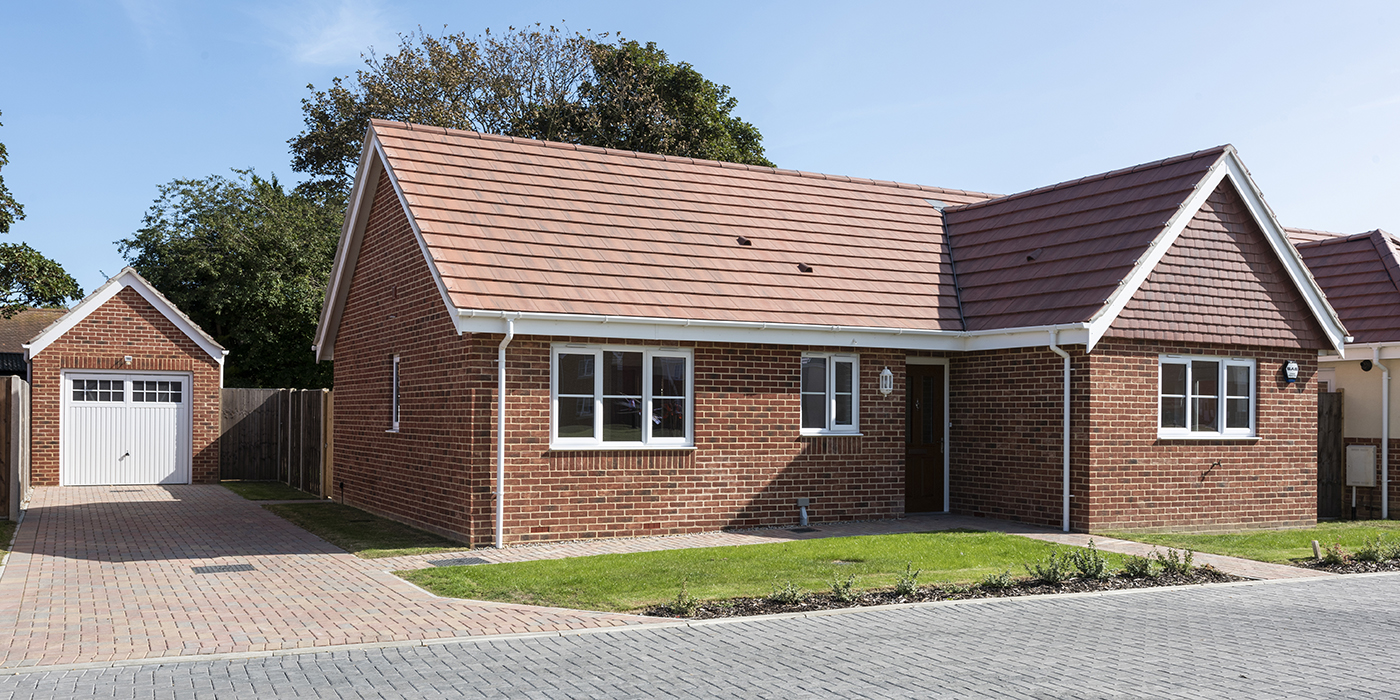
x,y
362,534
627,582
1278,546
7,530
267,491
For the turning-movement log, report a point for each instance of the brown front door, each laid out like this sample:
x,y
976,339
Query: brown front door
x,y
923,439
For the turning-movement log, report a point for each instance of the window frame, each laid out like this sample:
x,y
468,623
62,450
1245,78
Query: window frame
x,y
395,398
832,428
596,442
1222,397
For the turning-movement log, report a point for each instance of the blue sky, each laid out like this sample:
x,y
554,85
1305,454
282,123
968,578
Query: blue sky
x,y
104,101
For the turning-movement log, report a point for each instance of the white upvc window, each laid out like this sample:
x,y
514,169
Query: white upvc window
x,y
1206,397
621,397
830,393
394,405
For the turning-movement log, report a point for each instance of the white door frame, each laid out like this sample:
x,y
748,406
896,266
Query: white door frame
x,y
185,463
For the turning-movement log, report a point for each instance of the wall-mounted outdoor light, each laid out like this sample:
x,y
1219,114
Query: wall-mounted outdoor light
x,y
886,382
1290,371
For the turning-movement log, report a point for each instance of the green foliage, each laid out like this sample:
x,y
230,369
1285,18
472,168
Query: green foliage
x,y
365,535
1279,546
843,590
27,278
1334,555
1173,562
1054,569
1090,562
907,583
1138,567
536,82
248,262
787,594
685,604
998,582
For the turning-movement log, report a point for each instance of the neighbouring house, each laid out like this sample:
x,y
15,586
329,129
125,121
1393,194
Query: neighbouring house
x,y
15,332
1361,275
124,390
541,341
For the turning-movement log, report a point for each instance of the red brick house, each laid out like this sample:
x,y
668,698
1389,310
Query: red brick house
x,y
124,390
549,341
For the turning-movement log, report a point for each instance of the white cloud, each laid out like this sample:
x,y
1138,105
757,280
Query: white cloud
x,y
330,32
149,17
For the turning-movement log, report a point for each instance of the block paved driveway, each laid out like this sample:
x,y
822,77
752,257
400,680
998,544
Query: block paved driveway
x,y
1319,638
109,573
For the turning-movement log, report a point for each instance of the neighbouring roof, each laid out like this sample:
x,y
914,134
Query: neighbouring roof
x,y
580,235
16,331
1361,275
127,278
1057,254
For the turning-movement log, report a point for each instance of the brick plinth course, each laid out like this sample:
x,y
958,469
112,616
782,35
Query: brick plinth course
x,y
126,325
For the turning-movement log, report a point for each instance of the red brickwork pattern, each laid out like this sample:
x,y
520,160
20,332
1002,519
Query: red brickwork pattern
x,y
1139,482
1222,283
126,325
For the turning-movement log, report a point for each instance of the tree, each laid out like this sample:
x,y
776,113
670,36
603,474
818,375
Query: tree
x,y
27,278
541,83
248,261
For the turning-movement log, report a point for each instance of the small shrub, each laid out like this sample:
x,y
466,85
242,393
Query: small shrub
x,y
907,583
844,591
998,582
1090,562
1372,550
685,604
1135,566
787,594
1175,563
1334,555
1054,570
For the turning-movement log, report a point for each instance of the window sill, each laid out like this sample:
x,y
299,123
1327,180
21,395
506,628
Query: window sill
x,y
828,433
1215,437
629,447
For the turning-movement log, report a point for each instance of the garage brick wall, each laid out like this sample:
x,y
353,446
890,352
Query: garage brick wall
x,y
126,324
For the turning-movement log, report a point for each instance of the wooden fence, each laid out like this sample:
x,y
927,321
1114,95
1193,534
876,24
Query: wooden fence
x,y
14,446
277,435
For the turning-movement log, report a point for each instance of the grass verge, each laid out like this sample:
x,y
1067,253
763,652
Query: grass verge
x,y
363,534
1275,546
628,582
7,530
266,491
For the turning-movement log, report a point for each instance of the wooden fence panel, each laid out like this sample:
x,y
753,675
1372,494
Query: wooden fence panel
x,y
276,435
14,446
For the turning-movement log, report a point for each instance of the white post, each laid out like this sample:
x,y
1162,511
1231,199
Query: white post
x,y
1064,487
1385,432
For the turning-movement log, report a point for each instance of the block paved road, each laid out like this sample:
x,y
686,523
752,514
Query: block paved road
x,y
1321,638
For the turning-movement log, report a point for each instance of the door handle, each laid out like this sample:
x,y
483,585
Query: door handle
x,y
128,454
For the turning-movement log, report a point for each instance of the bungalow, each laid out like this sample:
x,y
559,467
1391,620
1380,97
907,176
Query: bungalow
x,y
1361,276
540,341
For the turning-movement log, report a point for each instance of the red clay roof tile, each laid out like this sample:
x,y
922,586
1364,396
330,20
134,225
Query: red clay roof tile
x,y
1361,275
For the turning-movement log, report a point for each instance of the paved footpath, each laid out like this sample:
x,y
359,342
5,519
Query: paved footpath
x,y
1320,638
104,574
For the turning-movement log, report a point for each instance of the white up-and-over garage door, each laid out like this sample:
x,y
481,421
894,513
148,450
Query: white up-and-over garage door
x,y
125,429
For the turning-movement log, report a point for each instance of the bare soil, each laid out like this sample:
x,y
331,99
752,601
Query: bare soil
x,y
740,607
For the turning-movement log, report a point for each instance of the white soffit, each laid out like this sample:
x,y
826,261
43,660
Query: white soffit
x,y
1228,166
127,278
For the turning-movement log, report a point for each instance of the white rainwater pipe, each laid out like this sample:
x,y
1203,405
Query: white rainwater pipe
x,y
1054,336
1385,432
501,433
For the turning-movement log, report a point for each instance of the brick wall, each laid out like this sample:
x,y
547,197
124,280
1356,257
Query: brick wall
x,y
126,324
1368,499
1139,482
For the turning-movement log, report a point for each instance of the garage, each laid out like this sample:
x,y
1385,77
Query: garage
x,y
124,390
125,429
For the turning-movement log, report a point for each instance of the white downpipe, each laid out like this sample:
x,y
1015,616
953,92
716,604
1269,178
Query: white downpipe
x,y
501,433
1054,336
1385,432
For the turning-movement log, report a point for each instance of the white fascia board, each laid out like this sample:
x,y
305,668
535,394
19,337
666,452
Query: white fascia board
x,y
1228,166
347,250
127,278
690,331
1356,352
1101,321
1274,232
